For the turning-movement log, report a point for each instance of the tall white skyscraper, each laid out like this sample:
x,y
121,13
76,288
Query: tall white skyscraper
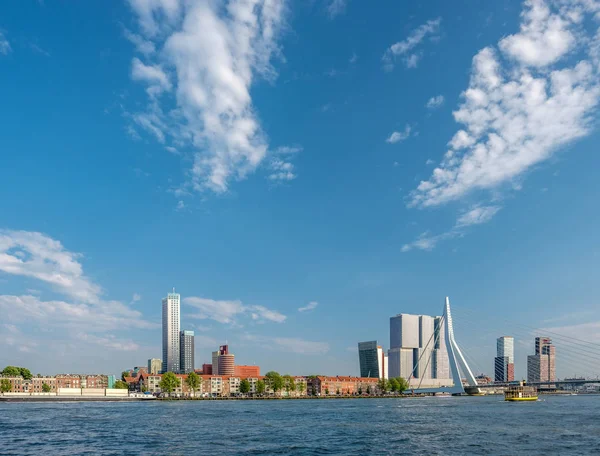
x,y
171,322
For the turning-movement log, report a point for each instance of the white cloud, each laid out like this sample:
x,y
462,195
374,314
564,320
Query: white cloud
x,y
398,136
36,255
435,102
213,52
5,48
289,344
477,215
224,311
180,206
281,168
136,297
157,79
517,112
109,341
353,59
142,45
336,7
403,48
429,162
310,306
37,49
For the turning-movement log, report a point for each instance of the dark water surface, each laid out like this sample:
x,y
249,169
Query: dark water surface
x,y
424,426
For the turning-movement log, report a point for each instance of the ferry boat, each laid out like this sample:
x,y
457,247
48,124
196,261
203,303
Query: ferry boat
x,y
520,392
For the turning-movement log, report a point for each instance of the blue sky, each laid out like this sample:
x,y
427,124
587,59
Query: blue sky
x,y
268,156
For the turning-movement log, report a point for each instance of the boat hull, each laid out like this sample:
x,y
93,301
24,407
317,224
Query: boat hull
x,y
521,399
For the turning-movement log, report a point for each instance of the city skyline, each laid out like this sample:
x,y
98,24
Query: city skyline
x,y
321,181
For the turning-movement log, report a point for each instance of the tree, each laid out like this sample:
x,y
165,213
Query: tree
x,y
360,390
120,384
393,384
275,381
338,392
289,384
383,385
5,385
125,374
260,387
244,386
193,382
369,389
169,382
46,388
402,385
326,391
25,373
300,387
11,371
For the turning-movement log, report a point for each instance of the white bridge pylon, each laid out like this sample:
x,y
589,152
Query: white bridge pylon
x,y
456,359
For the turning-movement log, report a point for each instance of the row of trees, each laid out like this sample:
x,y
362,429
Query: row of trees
x,y
14,371
395,385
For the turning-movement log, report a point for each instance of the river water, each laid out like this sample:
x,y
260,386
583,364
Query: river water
x,y
416,426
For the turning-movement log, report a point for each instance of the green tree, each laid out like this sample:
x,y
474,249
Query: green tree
x,y
120,384
11,371
260,387
5,385
369,389
244,386
300,387
289,384
169,382
393,384
360,390
337,392
402,385
46,388
193,382
25,373
275,381
383,385
125,374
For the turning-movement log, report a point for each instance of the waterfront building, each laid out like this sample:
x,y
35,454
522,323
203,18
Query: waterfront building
x,y
541,367
372,360
341,385
504,362
246,371
154,366
170,332
418,350
186,349
223,362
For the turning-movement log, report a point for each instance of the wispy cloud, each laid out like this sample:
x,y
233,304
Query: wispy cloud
x,y
474,216
210,54
525,101
399,136
353,59
336,7
228,311
289,344
310,306
281,166
406,48
38,50
435,102
136,297
5,48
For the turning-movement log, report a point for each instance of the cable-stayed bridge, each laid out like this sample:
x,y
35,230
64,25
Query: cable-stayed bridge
x,y
575,354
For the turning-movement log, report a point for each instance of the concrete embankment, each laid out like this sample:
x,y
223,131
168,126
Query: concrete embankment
x,y
72,399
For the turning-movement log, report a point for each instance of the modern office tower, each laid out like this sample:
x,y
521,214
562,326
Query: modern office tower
x,y
417,348
223,362
541,367
186,350
154,366
504,362
368,358
171,322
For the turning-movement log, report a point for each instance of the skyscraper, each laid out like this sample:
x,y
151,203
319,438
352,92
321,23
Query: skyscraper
x,y
418,348
186,349
370,358
504,362
223,362
170,327
541,367
154,366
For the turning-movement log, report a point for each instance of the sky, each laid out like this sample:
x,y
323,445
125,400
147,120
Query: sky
x,y
299,171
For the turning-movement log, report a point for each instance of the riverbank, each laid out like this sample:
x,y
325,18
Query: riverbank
x,y
74,399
